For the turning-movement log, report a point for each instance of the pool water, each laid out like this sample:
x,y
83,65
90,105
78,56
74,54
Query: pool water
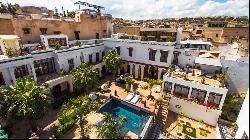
x,y
136,118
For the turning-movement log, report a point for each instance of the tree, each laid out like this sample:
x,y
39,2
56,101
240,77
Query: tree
x,y
71,111
111,127
112,61
26,99
221,78
57,45
71,14
84,76
9,52
129,82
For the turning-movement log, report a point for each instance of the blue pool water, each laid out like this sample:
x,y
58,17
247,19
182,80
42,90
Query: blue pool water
x,y
136,118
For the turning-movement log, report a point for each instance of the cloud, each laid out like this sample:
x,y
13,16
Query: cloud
x,y
152,9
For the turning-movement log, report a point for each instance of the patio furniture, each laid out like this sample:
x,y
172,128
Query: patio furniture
x,y
92,96
130,96
135,99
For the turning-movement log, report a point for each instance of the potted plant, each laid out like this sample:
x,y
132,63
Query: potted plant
x,y
181,114
221,78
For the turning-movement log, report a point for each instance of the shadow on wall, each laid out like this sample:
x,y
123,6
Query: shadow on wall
x,y
237,75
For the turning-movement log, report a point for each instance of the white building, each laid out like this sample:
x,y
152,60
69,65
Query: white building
x,y
243,120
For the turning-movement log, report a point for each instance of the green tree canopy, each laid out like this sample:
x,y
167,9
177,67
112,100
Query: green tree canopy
x,y
111,127
113,61
84,77
26,99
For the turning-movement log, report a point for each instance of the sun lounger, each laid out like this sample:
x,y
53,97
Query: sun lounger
x,y
135,99
130,96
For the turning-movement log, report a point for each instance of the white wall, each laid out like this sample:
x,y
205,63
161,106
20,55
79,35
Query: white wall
x,y
195,111
140,51
243,118
237,75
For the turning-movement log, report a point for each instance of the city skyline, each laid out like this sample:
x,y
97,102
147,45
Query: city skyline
x,y
135,10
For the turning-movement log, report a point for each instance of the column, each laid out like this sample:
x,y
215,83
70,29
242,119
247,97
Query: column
x,y
172,91
12,74
131,68
222,101
136,71
33,72
190,93
142,72
206,98
70,84
125,68
100,72
119,71
159,73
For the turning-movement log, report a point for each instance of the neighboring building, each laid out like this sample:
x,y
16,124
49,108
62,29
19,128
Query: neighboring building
x,y
158,34
130,30
84,26
243,120
47,64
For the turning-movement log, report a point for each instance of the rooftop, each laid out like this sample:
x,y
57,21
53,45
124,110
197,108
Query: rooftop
x,y
8,37
159,29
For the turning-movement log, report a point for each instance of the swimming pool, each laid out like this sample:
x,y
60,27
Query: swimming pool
x,y
136,118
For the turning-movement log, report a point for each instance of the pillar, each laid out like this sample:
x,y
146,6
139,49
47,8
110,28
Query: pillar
x,y
70,84
33,72
100,72
136,71
159,73
190,93
172,90
12,74
131,68
125,68
142,72
222,101
206,98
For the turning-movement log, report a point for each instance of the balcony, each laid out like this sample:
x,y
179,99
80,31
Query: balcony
x,y
47,77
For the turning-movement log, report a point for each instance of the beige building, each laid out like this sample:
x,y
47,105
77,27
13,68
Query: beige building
x,y
130,30
84,26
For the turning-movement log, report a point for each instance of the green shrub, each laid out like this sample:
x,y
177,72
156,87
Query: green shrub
x,y
192,133
62,129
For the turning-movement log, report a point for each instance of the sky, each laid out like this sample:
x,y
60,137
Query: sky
x,y
152,9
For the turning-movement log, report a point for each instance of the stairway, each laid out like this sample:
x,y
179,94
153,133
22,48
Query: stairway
x,y
160,121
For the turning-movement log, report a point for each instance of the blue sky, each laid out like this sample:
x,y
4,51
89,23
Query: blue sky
x,y
149,9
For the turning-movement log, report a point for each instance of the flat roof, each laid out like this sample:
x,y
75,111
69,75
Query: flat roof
x,y
208,61
6,37
159,29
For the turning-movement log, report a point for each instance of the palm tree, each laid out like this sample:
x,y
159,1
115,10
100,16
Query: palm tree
x,y
112,61
84,76
129,82
26,99
111,127
171,69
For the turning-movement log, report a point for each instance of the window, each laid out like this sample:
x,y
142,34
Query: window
x,y
168,86
152,54
71,64
57,32
198,94
118,50
130,49
21,71
214,100
181,91
90,59
164,56
43,30
97,57
82,57
217,35
26,31
2,82
44,66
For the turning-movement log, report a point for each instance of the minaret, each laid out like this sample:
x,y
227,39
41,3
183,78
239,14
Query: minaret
x,y
178,36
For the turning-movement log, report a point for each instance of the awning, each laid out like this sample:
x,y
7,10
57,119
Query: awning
x,y
208,61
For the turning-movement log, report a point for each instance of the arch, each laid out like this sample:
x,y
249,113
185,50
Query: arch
x,y
128,68
146,68
163,71
153,72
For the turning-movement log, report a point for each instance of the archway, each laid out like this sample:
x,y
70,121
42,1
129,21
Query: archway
x,y
146,71
152,72
163,71
122,70
128,68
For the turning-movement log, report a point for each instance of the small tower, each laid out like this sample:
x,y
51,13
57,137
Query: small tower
x,y
178,36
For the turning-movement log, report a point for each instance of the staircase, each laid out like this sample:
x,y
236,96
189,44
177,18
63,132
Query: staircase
x,y
160,120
